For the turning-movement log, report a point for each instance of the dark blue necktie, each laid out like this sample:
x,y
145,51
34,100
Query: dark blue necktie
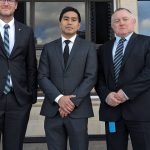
x,y
118,58
66,52
7,87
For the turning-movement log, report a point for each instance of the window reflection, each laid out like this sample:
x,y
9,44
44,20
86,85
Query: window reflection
x,y
28,13
47,20
143,17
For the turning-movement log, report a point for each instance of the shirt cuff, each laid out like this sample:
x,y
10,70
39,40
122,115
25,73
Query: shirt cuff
x,y
58,98
127,98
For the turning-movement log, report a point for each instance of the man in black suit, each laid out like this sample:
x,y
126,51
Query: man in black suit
x,y
17,76
66,80
124,84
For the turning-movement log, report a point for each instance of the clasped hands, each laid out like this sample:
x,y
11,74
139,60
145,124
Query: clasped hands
x,y
66,106
115,98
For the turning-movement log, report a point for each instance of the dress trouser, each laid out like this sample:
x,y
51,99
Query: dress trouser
x,y
58,130
13,122
139,134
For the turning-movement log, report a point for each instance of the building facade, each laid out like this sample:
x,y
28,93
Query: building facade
x,y
43,15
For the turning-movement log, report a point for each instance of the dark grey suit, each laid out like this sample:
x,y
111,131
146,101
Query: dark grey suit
x,y
78,78
15,106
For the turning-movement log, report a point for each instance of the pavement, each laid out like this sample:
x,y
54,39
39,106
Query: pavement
x,y
93,145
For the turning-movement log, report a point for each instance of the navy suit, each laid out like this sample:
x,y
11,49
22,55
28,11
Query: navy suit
x,y
134,80
15,106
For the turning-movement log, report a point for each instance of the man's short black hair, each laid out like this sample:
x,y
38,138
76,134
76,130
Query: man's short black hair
x,y
67,9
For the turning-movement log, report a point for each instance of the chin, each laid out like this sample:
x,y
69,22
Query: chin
x,y
123,34
6,14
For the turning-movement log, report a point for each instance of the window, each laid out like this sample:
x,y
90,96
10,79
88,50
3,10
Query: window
x,y
47,19
143,17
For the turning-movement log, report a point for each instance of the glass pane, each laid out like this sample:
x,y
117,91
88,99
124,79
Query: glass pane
x,y
47,19
143,16
28,13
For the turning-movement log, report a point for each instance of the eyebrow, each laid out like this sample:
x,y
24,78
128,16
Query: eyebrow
x,y
66,17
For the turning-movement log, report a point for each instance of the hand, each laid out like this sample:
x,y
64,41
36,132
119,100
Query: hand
x,y
112,99
66,105
62,113
121,96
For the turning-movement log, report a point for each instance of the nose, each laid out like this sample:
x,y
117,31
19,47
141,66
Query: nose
x,y
122,21
69,21
5,1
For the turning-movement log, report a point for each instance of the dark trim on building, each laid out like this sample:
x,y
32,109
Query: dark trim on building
x,y
43,139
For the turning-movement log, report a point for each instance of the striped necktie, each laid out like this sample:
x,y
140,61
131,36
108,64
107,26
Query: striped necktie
x,y
7,87
118,58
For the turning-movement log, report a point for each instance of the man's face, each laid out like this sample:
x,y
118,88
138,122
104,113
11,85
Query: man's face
x,y
123,23
7,8
69,24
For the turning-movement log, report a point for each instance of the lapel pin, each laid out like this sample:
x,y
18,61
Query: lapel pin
x,y
19,29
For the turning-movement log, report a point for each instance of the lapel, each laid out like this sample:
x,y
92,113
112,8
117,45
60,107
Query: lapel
x,y
128,49
2,49
58,49
110,57
18,32
75,48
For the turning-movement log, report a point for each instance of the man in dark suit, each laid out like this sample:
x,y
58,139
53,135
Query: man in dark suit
x,y
124,85
17,76
67,82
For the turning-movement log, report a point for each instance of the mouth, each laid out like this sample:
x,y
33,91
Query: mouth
x,y
122,28
5,8
68,28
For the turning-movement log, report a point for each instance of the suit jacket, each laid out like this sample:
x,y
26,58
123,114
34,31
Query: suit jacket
x,y
134,80
22,65
78,78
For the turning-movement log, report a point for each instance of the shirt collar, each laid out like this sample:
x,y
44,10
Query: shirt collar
x,y
11,23
72,39
127,37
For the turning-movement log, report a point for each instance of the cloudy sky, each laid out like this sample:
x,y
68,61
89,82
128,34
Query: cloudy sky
x,y
47,16
144,17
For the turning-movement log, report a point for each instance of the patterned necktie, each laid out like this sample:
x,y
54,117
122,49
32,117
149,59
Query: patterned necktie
x,y
118,58
7,87
66,52
6,39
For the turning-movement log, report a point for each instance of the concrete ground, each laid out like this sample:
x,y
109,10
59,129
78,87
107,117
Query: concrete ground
x,y
93,145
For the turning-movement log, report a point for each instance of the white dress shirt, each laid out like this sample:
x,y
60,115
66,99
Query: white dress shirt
x,y
11,31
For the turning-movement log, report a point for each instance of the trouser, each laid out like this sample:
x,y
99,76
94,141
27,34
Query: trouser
x,y
58,130
139,133
13,122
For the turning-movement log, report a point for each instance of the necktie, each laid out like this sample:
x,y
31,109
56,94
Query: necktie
x,y
118,58
66,52
7,87
6,39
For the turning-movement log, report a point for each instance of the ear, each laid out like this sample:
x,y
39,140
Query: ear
x,y
59,24
79,25
134,21
16,5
